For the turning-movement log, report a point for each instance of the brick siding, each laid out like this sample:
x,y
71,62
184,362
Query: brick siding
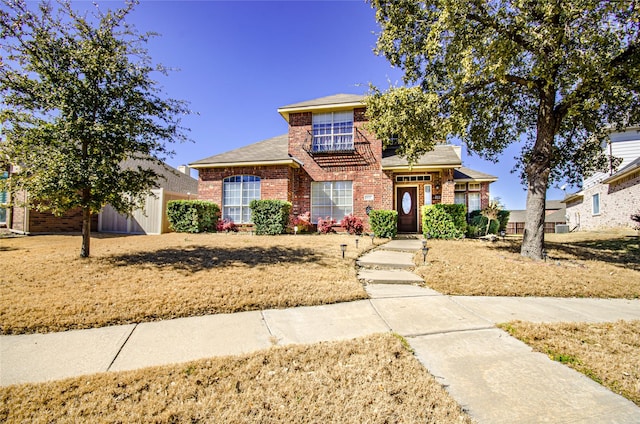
x,y
618,201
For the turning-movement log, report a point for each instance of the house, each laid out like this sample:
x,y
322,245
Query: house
x,y
149,220
330,165
554,215
608,199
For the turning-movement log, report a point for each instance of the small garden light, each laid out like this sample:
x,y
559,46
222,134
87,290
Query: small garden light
x,y
295,230
357,241
343,247
544,254
503,234
372,235
424,243
425,250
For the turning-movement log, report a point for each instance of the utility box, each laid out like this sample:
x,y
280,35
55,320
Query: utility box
x,y
562,228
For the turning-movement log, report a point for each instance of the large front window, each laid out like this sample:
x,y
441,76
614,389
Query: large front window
x,y
474,202
332,131
332,199
237,192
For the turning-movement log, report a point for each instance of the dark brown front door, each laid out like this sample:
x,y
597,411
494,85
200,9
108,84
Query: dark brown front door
x,y
407,204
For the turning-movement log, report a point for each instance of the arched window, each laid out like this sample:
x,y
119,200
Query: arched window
x,y
237,192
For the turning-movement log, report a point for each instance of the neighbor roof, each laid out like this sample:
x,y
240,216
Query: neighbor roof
x,y
272,151
631,167
171,179
464,174
442,155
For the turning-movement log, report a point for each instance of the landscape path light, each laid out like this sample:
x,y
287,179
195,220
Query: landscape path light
x,y
357,241
544,254
343,247
503,234
425,250
372,235
424,243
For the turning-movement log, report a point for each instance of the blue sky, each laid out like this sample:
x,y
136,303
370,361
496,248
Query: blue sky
x,y
239,61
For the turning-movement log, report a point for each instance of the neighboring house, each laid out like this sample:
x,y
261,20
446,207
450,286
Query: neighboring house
x,y
328,164
150,220
608,199
555,214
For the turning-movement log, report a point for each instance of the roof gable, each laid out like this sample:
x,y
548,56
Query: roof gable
x,y
447,155
272,151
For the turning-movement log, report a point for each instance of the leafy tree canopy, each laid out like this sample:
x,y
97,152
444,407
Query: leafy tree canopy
x,y
555,76
78,99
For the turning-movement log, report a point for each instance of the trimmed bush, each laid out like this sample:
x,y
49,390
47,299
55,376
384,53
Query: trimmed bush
x,y
192,216
437,222
352,224
270,217
384,223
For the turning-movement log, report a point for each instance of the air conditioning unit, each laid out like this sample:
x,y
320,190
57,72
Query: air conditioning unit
x,y
562,228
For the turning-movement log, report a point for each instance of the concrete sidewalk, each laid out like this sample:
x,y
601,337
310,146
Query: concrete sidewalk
x,y
495,377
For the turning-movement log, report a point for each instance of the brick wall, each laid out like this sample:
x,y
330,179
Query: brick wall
x,y
362,166
45,222
617,202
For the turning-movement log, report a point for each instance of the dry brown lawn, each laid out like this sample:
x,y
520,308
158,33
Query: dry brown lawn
x,y
45,285
609,353
369,380
593,264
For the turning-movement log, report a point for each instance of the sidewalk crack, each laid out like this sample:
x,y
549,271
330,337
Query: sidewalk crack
x,y
121,347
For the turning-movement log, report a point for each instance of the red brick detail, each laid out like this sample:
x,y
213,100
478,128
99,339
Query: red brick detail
x,y
359,115
276,182
300,119
45,222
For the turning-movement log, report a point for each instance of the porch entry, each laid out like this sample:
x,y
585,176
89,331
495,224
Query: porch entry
x,y
407,207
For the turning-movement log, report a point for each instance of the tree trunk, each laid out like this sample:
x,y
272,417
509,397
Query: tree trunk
x,y
86,224
537,170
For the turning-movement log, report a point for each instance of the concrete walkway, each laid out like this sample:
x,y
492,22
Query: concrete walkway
x,y
492,375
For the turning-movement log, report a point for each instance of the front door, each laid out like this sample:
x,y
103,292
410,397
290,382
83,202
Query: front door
x,y
407,204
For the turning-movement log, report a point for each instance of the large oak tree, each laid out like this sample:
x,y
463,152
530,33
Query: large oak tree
x,y
78,99
553,75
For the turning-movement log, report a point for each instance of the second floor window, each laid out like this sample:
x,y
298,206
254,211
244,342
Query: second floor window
x,y
332,131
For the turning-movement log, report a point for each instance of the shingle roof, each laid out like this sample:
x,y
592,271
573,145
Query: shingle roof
x,y
635,164
335,99
441,155
174,180
273,149
467,174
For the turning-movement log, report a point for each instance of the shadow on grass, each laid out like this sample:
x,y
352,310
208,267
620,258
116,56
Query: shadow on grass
x,y
201,258
624,251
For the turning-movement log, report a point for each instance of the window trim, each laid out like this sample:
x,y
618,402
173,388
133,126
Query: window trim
x,y
333,205
334,135
430,196
595,211
460,187
474,186
241,205
475,193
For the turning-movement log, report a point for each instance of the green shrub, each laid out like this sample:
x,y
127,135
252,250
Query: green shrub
x,y
503,218
437,222
192,216
476,219
270,217
384,223
458,214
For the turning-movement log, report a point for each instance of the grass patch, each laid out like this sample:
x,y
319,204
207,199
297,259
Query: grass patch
x,y
363,380
605,352
605,265
46,286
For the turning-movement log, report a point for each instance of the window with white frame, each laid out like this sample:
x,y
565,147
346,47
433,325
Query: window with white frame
x,y
237,192
332,131
460,187
474,186
474,202
595,204
332,199
460,199
428,199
